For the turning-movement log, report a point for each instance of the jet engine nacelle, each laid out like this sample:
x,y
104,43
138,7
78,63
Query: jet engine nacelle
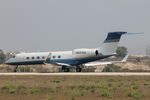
x,y
91,52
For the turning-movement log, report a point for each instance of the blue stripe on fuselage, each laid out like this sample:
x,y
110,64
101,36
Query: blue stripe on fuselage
x,y
78,61
27,63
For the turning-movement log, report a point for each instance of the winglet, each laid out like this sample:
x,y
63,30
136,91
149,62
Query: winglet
x,y
125,58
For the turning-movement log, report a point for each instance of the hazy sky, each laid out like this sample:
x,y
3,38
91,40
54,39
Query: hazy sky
x,y
48,25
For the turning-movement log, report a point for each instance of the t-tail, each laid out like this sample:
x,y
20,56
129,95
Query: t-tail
x,y
109,46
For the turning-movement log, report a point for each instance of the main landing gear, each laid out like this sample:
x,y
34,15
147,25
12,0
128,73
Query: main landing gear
x,y
78,69
67,69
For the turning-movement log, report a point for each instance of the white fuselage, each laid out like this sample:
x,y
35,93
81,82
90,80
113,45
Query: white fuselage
x,y
74,57
28,58
69,57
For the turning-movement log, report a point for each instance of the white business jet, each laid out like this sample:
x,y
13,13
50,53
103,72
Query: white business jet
x,y
75,58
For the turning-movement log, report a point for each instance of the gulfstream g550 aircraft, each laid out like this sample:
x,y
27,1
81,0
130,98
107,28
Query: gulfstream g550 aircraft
x,y
76,57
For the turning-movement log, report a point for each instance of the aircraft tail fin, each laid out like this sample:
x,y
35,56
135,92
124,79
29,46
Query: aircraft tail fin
x,y
114,37
110,44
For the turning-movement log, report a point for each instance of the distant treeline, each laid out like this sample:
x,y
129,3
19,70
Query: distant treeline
x,y
2,57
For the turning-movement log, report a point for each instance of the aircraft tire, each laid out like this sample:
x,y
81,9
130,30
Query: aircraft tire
x,y
78,69
64,69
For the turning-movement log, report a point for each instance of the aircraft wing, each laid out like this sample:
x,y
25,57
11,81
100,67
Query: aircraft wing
x,y
106,63
60,64
97,63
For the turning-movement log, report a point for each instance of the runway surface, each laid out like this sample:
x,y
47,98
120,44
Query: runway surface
x,y
81,74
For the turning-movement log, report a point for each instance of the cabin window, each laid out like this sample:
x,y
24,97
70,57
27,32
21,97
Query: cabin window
x,y
27,58
38,57
14,56
32,57
43,57
54,56
59,56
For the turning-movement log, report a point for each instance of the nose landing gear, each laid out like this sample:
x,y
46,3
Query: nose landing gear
x,y
15,69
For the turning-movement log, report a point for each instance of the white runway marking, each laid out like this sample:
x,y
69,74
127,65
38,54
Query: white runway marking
x,y
81,74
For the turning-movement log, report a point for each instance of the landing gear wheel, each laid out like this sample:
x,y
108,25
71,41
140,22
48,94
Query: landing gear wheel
x,y
78,69
64,69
